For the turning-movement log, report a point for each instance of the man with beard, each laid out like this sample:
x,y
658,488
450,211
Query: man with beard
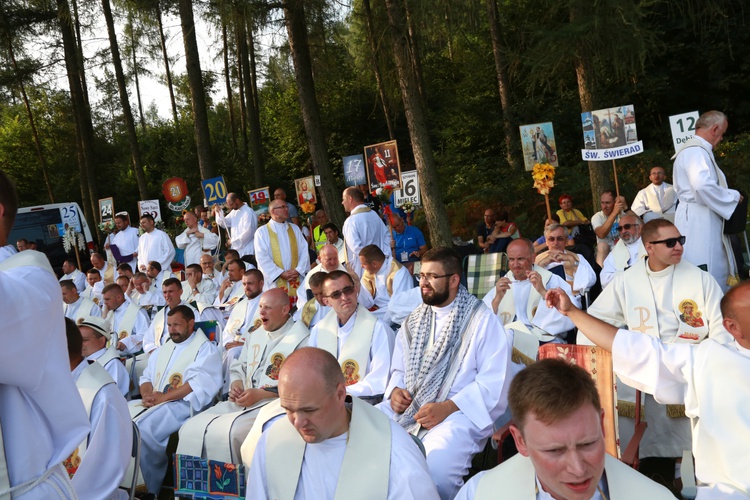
x,y
626,251
449,372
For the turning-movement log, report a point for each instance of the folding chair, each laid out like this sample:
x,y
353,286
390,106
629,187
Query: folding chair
x,y
482,272
135,454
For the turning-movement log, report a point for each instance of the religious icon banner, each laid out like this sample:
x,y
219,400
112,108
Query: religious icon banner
x,y
383,167
538,144
609,134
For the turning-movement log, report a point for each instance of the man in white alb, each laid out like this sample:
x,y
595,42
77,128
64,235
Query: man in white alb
x,y
77,307
449,372
154,244
281,250
328,257
578,272
363,227
195,240
182,378
129,322
656,200
321,454
41,414
196,289
703,377
97,333
705,199
126,241
382,277
314,309
241,222
158,332
106,271
627,251
71,272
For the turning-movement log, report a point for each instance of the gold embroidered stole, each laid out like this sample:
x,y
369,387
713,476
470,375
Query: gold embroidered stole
x,y
355,353
290,287
506,310
370,280
369,441
237,318
89,383
308,311
83,310
125,328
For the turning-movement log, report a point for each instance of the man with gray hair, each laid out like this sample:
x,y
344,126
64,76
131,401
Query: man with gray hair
x,y
626,250
704,198
576,270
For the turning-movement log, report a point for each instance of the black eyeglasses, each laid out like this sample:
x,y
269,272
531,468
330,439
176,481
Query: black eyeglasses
x,y
627,227
557,238
344,291
671,242
429,278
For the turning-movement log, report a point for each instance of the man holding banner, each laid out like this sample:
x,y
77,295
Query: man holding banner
x,y
705,200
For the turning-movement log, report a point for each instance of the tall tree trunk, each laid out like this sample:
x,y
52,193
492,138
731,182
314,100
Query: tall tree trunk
x,y
243,99
253,69
415,59
135,151
197,92
34,132
84,127
165,56
135,72
228,83
253,119
294,16
376,67
416,118
511,138
79,53
449,28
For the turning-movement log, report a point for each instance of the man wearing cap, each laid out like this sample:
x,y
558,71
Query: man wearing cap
x,y
76,307
70,268
96,333
98,465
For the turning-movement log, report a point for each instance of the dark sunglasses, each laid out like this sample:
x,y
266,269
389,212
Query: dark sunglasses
x,y
346,291
627,227
671,242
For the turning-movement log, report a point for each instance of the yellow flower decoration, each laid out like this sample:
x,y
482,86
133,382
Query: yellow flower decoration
x,y
544,177
308,207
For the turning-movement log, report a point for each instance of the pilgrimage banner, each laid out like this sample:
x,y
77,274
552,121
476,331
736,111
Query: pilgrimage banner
x,y
354,170
538,144
609,134
383,167
305,190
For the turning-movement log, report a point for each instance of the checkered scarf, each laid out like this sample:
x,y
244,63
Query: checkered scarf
x,y
427,368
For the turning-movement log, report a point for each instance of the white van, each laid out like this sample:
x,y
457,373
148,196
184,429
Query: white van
x,y
45,225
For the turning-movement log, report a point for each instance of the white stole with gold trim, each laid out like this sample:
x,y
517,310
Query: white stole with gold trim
x,y
355,352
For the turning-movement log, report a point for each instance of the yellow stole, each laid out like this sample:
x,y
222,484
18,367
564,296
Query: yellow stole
x,y
369,279
290,287
308,311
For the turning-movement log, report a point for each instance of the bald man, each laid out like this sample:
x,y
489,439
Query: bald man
x,y
328,258
321,440
254,376
241,222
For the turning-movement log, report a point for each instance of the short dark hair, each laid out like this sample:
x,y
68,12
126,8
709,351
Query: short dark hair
x,y
155,264
183,310
609,192
113,287
72,262
649,229
372,253
75,339
551,389
335,275
68,285
94,271
238,262
231,253
195,267
254,272
8,199
140,275
448,257
332,226
148,216
170,282
317,279
125,267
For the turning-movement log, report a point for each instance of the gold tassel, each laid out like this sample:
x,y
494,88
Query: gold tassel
x,y
521,358
733,279
627,409
676,411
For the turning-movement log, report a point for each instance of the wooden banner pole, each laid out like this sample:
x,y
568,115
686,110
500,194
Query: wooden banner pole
x,y
546,201
617,185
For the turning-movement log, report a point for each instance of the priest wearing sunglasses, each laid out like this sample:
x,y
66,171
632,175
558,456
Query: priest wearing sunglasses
x,y
626,251
655,296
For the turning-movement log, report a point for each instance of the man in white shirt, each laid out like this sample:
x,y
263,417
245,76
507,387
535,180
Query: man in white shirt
x,y
158,332
363,227
106,271
578,272
195,240
656,200
362,343
94,286
77,307
196,289
626,251
605,223
328,440
126,241
154,244
241,318
705,200
71,272
158,274
128,320
146,296
449,372
328,257
230,290
703,377
241,223
182,378
333,236
281,250
42,417
382,277
209,270
97,333
99,463
559,432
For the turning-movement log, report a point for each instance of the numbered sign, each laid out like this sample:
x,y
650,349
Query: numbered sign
x,y
106,210
260,199
410,192
150,207
354,170
215,190
683,128
69,217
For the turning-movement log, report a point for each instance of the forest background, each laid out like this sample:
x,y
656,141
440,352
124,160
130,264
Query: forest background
x,y
450,80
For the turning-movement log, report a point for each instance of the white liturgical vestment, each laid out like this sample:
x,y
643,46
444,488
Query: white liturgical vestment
x,y
81,308
364,227
620,258
655,202
271,271
76,277
193,246
127,243
242,225
157,246
402,281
